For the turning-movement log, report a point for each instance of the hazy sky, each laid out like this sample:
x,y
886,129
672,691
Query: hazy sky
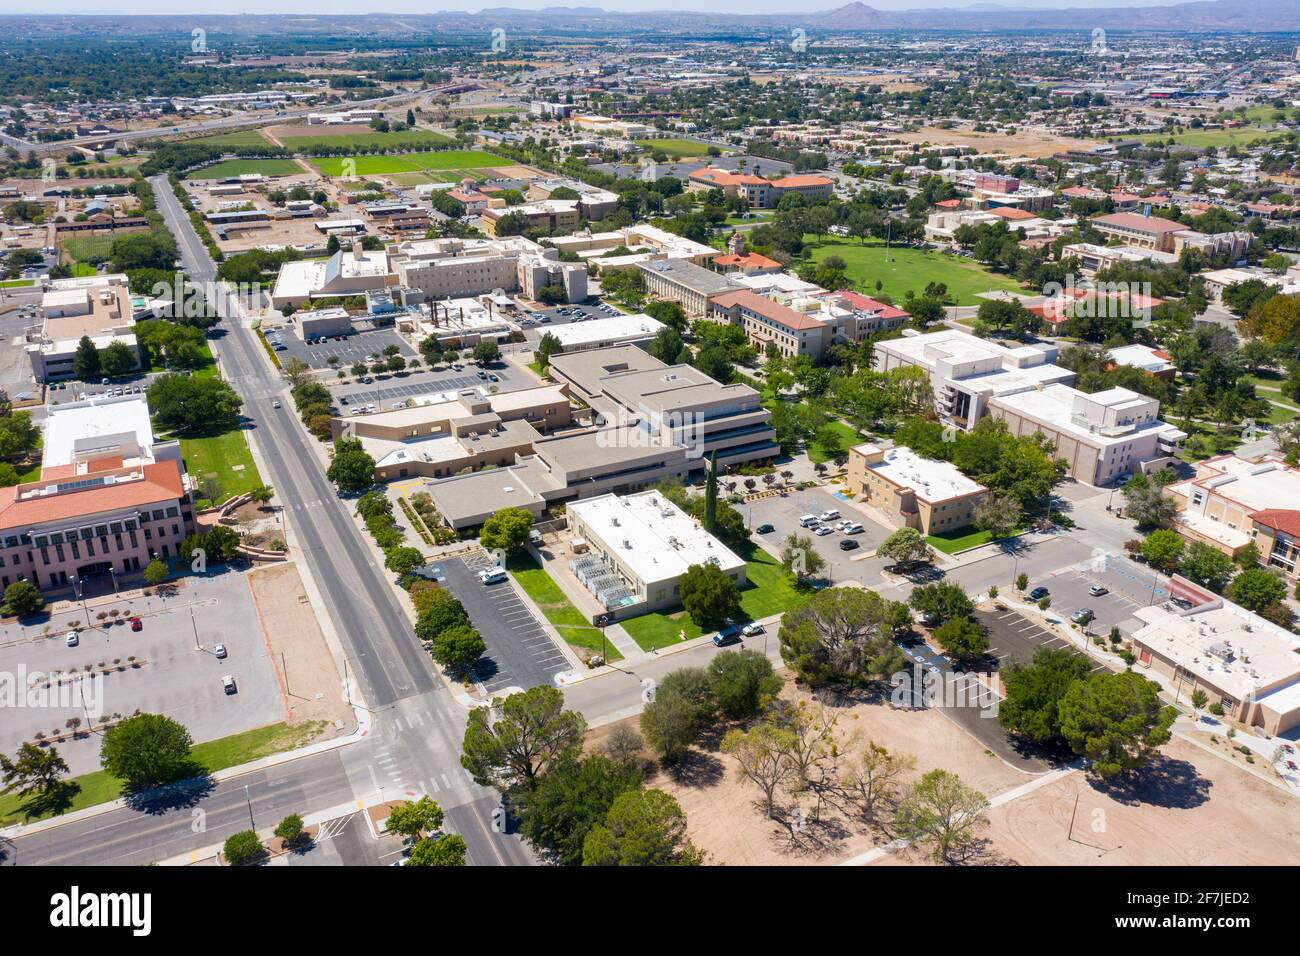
x,y
183,7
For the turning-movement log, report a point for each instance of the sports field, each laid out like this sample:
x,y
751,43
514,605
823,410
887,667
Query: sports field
x,y
325,143
408,162
241,167
909,270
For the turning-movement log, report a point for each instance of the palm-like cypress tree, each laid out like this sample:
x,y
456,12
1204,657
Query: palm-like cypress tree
x,y
711,495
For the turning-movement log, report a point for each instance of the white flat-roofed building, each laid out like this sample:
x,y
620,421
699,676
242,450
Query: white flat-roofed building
x,y
1240,660
645,243
94,307
637,329
441,268
1101,436
966,371
347,272
933,497
640,547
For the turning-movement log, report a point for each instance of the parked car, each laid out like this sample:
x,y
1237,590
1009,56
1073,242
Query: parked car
x,y
1038,593
829,515
807,521
73,638
752,628
1082,616
822,530
728,635
1097,590
848,544
137,624
492,575
765,529
228,684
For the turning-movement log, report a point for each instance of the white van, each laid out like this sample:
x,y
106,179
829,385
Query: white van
x,y
492,575
807,521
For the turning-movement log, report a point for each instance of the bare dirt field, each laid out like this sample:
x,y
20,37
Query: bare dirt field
x,y
311,687
1032,143
1188,808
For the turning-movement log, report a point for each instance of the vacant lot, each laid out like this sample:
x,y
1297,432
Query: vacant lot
x,y
910,270
448,159
243,167
1033,143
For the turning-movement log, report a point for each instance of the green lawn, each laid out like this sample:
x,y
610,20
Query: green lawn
x,y
909,270
818,453
767,591
241,167
84,248
239,137
546,594
100,786
410,162
324,142
16,283
962,539
1201,138
675,148
225,457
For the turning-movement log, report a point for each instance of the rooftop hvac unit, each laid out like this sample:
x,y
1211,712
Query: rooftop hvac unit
x,y
627,544
614,521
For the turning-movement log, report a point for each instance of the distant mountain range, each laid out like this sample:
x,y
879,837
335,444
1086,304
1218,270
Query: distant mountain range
x,y
1204,16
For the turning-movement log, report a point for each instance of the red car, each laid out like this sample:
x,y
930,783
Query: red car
x,y
137,624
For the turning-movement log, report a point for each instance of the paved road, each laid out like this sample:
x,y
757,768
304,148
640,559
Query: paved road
x,y
384,657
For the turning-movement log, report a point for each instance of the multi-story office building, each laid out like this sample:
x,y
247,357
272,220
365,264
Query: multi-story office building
x,y
691,286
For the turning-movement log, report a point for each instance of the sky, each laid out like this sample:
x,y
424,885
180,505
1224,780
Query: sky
x,y
184,7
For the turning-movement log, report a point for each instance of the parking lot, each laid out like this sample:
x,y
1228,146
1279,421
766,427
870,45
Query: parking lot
x,y
350,349
784,512
1013,638
519,651
383,391
178,673
1129,586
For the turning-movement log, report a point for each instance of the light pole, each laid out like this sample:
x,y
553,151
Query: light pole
x,y
249,800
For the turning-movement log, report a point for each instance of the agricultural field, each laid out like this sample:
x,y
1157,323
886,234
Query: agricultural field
x,y
443,160
675,148
84,249
241,167
239,137
324,142
910,269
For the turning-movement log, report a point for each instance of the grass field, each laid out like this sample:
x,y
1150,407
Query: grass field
x,y
17,283
767,591
99,787
224,457
818,453
1201,138
909,270
239,137
546,594
961,539
675,148
410,162
240,167
324,142
86,248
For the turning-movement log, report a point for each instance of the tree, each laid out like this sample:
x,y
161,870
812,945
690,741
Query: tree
x,y
709,596
997,514
457,648
34,770
290,830
1257,588
741,682
448,850
155,573
85,360
415,818
117,359
548,345
942,810
941,602
510,744
194,405
570,799
642,828
23,599
962,638
674,719
352,468
1115,720
403,560
1206,565
1147,503
842,634
1199,699
486,352
243,849
711,495
871,776
1162,548
906,546
1034,692
800,559
507,530
438,614
146,750
763,754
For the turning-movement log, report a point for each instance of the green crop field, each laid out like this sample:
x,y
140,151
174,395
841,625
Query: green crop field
x,y
239,137
241,167
1202,138
324,142
86,248
410,162
909,269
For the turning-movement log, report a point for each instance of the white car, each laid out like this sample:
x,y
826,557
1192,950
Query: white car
x,y
822,530
829,515
276,403
749,630
219,650
73,638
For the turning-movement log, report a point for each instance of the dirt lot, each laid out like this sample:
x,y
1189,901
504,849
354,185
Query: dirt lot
x,y
1028,142
1190,808
311,687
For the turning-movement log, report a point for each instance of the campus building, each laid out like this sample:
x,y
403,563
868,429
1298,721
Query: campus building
x,y
692,287
758,191
453,268
644,243
347,272
933,497
638,549
549,216
94,307
768,322
1241,661
109,499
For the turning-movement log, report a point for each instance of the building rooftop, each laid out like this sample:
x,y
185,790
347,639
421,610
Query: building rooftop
x,y
587,369
575,334
651,535
1257,485
932,481
696,278
1055,406
77,430
768,309
1134,222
